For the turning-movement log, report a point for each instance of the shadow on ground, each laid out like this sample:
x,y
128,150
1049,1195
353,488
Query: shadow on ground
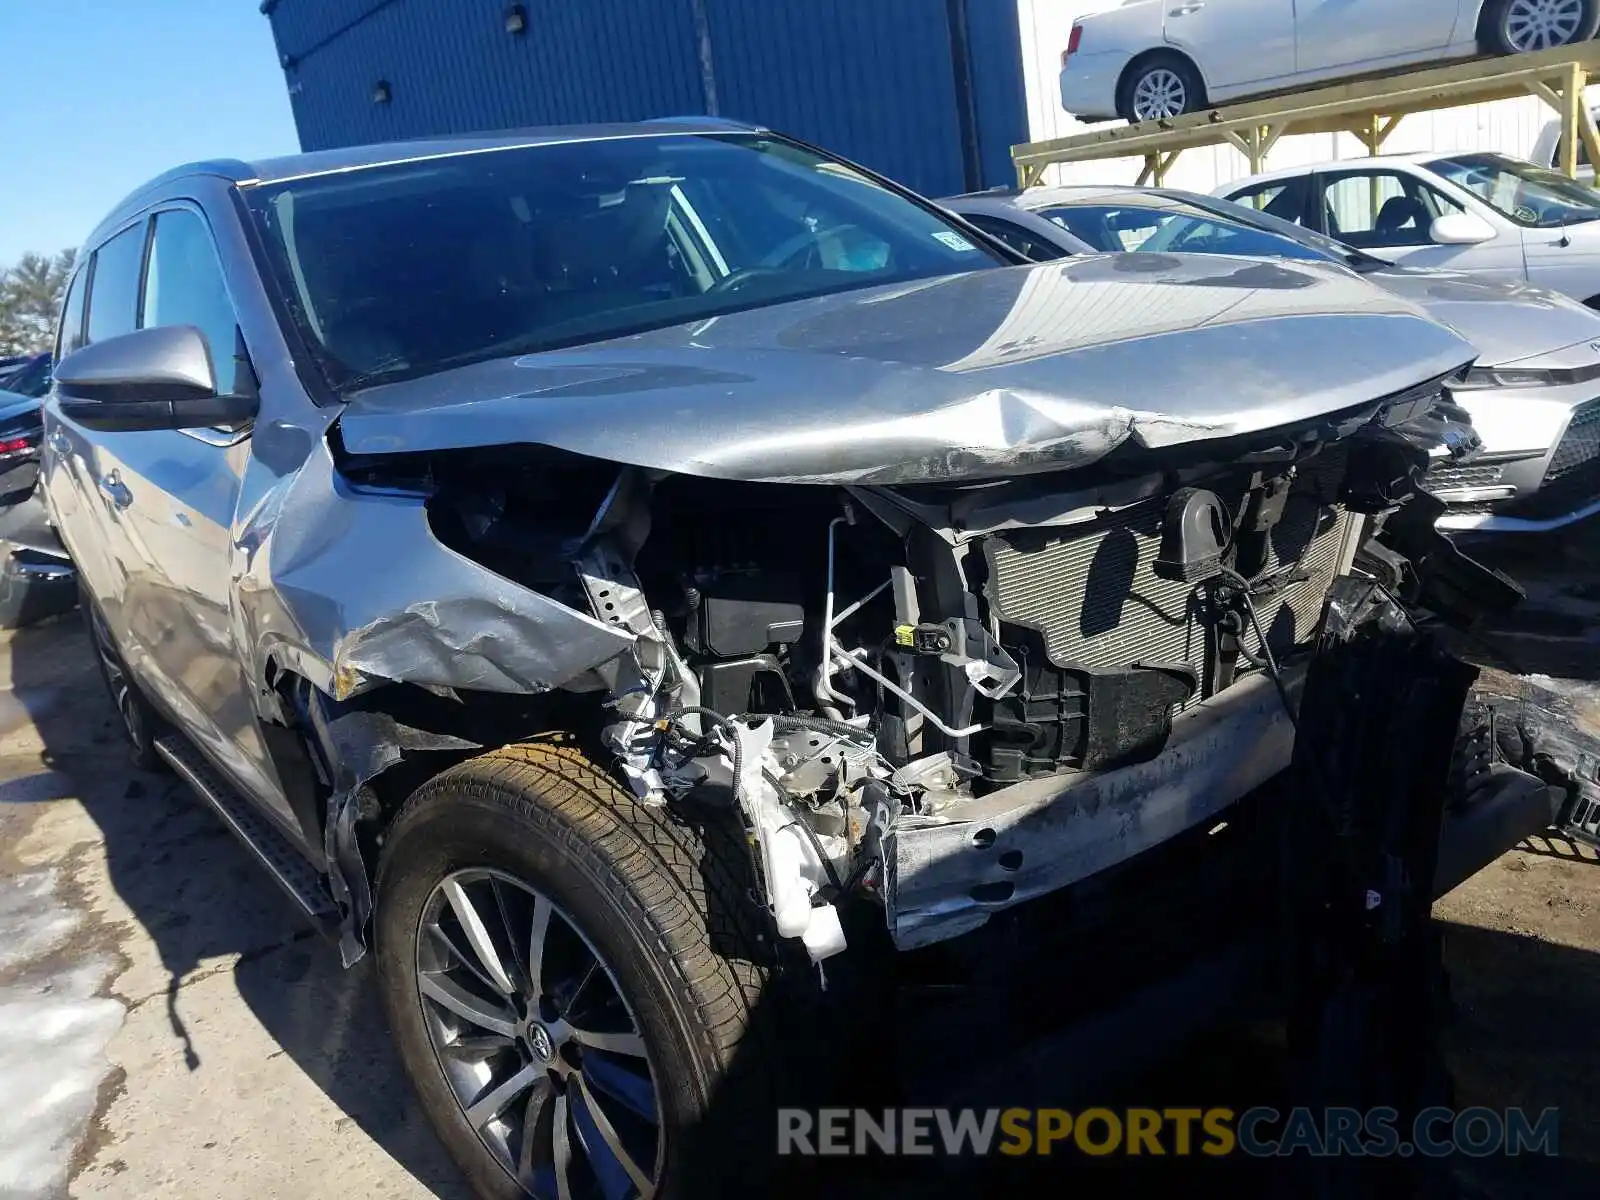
x,y
199,896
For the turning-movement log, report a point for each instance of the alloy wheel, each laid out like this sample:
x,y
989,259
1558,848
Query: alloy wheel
x,y
1532,25
1159,93
536,1041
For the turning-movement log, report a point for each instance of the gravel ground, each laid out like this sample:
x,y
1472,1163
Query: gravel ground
x,y
168,1029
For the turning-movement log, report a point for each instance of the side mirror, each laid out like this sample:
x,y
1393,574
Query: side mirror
x,y
158,378
1460,229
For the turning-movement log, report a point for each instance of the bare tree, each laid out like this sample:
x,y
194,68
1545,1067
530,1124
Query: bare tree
x,y
30,301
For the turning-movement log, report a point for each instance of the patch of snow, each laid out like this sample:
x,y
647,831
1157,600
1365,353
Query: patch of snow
x,y
54,1027
34,923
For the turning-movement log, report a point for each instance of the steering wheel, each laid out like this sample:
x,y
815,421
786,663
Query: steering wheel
x,y
736,279
801,250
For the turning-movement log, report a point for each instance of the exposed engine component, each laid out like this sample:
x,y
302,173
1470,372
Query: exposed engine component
x,y
866,672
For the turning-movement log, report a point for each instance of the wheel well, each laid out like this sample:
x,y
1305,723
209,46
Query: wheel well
x,y
1146,57
1484,11
403,735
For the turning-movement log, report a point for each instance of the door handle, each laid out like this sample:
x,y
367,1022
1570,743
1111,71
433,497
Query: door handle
x,y
113,487
1184,10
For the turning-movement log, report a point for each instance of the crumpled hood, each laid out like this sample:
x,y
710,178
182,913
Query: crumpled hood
x,y
996,372
1507,322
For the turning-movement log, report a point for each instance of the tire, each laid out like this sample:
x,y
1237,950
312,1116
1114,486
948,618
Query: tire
x,y
1167,74
664,910
1525,26
140,724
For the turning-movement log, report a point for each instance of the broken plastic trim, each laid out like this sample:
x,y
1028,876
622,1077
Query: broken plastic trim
x,y
357,748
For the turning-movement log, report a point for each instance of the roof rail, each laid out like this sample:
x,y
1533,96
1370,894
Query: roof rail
x,y
1369,106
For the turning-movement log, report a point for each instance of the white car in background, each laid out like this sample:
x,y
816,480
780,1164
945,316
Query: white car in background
x,y
1485,214
1150,59
1547,150
1532,393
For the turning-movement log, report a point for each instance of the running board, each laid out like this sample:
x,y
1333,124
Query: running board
x,y
287,866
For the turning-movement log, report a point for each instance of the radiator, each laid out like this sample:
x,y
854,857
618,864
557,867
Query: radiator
x,y
1092,595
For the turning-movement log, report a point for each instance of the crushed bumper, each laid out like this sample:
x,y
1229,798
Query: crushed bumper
x,y
1089,84
951,871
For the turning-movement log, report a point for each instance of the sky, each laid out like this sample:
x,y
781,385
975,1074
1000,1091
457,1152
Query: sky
x,y
97,96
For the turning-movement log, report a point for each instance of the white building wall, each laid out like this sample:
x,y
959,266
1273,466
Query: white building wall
x,y
1509,126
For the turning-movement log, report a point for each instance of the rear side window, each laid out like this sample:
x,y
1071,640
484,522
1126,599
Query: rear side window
x,y
1112,229
1285,199
1016,237
114,288
183,286
70,335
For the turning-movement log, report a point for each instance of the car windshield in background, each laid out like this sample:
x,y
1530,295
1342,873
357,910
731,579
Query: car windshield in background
x,y
1172,230
398,271
1529,195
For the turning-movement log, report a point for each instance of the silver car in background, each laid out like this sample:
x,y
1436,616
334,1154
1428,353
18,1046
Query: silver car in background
x,y
1482,214
1532,392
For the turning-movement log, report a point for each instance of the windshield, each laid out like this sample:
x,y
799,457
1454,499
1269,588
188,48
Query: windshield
x,y
399,271
1165,226
1533,196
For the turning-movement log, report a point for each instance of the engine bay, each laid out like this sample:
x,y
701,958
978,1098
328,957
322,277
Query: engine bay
x,y
895,684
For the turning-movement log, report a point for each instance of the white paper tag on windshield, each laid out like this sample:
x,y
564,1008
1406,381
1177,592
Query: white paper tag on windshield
x,y
954,240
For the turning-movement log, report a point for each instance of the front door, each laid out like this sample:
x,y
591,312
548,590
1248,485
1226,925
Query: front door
x,y
178,492
1390,213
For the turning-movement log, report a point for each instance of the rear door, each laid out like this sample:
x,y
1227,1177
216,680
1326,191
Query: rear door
x,y
1350,33
81,476
58,480
1236,42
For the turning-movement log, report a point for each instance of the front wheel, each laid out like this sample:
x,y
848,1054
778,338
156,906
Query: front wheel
x,y
570,977
1159,87
1527,26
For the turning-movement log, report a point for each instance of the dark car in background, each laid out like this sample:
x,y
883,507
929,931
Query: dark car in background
x,y
36,577
27,376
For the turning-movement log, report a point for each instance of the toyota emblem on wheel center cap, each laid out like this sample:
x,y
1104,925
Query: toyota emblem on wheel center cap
x,y
539,1042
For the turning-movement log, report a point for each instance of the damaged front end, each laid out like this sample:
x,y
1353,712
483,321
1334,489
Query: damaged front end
x,y
955,697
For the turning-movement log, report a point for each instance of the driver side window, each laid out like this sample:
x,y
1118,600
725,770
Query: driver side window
x,y
1374,209
183,286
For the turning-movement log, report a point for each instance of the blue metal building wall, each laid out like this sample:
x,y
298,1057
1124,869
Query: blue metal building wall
x,y
994,36
875,80
825,71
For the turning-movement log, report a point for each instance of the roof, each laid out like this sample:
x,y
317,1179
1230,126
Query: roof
x,y
1036,199
1351,164
352,158
349,158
